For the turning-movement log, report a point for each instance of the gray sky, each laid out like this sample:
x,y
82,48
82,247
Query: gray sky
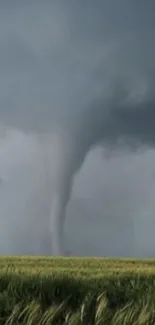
x,y
55,58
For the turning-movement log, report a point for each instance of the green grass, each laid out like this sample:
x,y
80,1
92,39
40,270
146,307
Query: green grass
x,y
43,291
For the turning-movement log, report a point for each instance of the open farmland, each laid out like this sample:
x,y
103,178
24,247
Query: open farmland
x,y
42,290
77,267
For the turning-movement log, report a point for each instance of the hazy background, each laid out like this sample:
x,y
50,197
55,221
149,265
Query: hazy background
x,y
43,79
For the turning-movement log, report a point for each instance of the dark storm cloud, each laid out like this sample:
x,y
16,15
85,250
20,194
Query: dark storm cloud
x,y
57,57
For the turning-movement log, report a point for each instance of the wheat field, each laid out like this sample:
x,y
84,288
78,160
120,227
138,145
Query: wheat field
x,y
76,266
46,290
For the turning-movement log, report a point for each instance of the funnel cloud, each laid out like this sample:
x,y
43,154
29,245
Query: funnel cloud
x,y
77,83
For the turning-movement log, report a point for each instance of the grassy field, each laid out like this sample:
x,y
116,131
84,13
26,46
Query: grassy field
x,y
39,290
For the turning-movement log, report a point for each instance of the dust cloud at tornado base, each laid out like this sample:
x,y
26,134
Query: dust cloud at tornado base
x,y
68,85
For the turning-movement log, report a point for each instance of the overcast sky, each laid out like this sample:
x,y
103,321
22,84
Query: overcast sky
x,y
55,57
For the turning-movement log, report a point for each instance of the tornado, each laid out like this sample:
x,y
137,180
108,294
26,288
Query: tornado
x,y
116,121
82,76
